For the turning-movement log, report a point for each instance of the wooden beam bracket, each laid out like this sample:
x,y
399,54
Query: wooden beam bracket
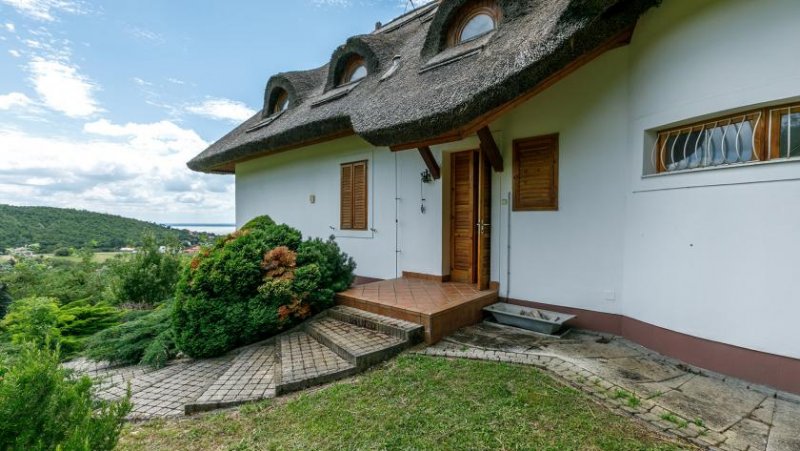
x,y
490,149
430,162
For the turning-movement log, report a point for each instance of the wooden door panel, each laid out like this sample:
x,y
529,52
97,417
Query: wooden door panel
x,y
463,217
484,229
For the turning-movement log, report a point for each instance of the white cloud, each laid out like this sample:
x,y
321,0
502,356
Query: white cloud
x,y
176,81
62,88
10,27
132,169
222,109
162,137
44,10
14,99
14,53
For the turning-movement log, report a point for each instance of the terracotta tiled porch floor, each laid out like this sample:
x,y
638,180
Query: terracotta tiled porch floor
x,y
441,307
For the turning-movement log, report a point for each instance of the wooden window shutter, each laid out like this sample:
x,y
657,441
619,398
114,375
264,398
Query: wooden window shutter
x,y
346,207
360,195
353,209
535,167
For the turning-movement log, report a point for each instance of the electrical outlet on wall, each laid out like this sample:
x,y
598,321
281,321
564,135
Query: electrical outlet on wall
x,y
610,295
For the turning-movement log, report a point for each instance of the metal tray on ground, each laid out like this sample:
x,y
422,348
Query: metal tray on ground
x,y
538,320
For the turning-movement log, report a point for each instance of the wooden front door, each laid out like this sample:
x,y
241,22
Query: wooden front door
x,y
463,216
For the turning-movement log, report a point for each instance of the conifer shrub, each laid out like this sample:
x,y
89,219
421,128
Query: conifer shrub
x,y
43,406
252,284
42,322
145,338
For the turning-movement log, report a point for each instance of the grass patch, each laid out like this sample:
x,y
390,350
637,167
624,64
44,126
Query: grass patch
x,y
674,420
631,399
414,402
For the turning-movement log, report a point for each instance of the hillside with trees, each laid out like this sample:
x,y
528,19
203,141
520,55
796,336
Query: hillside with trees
x,y
54,228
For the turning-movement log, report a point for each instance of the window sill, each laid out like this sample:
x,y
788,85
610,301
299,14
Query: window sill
x,y
358,234
723,166
778,170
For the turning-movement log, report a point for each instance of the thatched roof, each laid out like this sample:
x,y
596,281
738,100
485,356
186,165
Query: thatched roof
x,y
434,90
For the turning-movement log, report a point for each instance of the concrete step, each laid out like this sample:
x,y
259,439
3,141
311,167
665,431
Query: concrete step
x,y
358,345
305,362
407,331
250,377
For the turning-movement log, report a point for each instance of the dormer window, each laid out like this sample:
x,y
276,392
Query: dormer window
x,y
475,20
281,102
355,70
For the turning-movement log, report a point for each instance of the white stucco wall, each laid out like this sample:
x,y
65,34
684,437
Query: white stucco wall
x,y
716,253
281,186
713,254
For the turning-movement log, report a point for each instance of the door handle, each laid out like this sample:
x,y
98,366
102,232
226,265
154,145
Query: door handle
x,y
482,227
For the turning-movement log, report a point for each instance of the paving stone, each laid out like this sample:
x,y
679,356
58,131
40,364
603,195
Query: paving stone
x,y
656,389
354,339
785,433
632,371
406,326
720,405
303,358
764,411
168,396
589,348
747,434
249,378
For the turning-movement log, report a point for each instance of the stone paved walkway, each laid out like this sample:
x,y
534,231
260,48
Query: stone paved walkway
x,y
333,345
706,409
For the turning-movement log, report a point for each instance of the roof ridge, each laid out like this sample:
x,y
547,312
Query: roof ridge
x,y
406,17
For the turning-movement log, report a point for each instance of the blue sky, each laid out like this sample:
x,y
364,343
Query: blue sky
x,y
102,103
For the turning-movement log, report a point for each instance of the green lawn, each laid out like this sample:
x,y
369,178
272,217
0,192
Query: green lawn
x,y
414,402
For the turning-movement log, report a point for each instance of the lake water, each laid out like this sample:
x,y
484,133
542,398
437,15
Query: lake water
x,y
218,229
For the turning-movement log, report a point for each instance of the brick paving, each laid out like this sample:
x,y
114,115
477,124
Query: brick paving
x,y
251,377
704,408
406,326
291,361
356,340
303,358
168,396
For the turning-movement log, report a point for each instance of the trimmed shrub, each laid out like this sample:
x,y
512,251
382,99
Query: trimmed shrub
x,y
43,407
252,284
147,277
259,222
147,338
335,268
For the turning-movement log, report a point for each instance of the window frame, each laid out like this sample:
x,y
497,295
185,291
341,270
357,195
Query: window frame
x,y
486,7
766,134
354,62
518,146
352,165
